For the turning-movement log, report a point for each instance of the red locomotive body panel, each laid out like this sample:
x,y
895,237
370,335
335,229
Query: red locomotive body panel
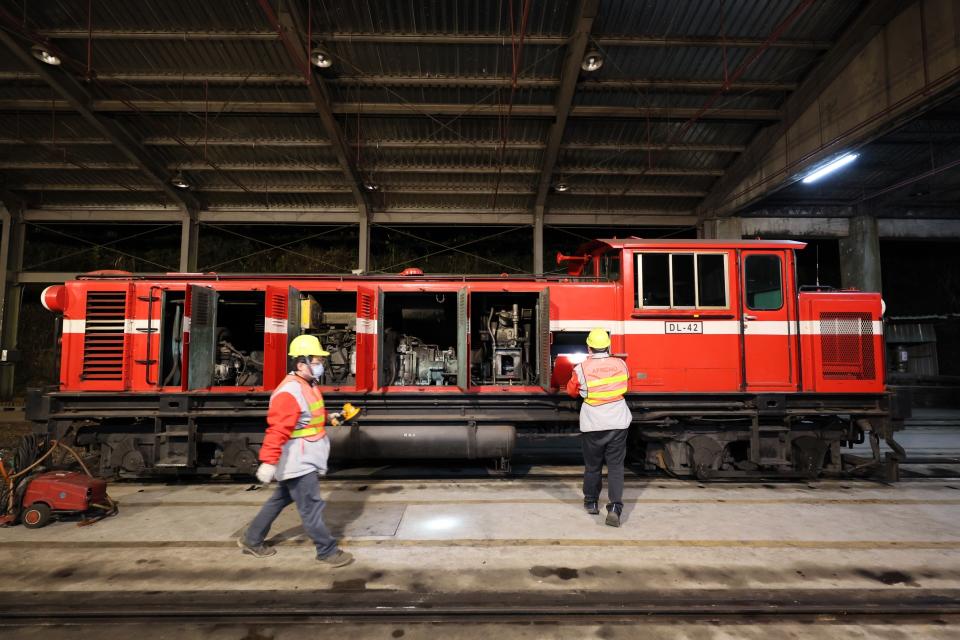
x,y
692,318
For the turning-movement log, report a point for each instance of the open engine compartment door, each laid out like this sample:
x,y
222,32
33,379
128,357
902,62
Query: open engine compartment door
x,y
543,339
281,318
202,337
367,338
463,339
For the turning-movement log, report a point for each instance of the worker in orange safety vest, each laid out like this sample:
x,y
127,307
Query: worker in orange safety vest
x,y
295,450
601,380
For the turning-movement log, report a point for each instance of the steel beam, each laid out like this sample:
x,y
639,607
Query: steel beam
x,y
417,38
471,189
382,168
78,99
99,214
388,109
576,48
455,82
870,78
189,242
538,215
12,243
512,145
174,78
289,28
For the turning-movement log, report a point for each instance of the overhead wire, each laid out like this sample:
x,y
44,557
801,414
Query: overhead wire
x,y
105,245
274,246
97,245
281,247
455,248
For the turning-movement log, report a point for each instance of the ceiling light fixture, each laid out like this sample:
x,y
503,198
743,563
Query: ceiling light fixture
x,y
592,61
43,54
321,58
371,186
561,186
830,167
179,181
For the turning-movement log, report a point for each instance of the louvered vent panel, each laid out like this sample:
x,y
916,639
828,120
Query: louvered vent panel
x,y
366,305
846,343
278,306
103,335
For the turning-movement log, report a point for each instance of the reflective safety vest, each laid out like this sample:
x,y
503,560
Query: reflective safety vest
x,y
312,414
606,380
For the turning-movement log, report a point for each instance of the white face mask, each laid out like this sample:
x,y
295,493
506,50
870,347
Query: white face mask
x,y
316,370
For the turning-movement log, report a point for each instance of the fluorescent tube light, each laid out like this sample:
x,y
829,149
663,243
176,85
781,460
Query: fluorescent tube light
x,y
840,162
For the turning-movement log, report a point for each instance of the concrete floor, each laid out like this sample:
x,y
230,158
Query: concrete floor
x,y
494,536
503,536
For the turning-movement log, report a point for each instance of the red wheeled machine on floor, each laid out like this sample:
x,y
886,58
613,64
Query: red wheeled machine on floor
x,y
38,499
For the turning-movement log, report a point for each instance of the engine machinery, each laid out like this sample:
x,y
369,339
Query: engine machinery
x,y
504,355
234,367
735,370
424,364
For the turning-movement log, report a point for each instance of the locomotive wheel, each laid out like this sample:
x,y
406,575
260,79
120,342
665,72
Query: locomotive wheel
x,y
36,515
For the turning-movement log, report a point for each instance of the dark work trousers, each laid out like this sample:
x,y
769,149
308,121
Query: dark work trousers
x,y
305,491
599,447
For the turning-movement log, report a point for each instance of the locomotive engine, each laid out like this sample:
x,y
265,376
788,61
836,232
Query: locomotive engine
x,y
504,353
234,367
336,330
420,364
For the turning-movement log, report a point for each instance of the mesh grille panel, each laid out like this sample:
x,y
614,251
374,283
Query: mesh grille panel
x,y
103,335
846,343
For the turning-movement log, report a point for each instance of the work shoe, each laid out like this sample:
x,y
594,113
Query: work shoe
x,y
259,551
336,559
614,511
592,507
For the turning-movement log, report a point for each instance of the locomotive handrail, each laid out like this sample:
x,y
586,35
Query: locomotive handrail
x,y
699,315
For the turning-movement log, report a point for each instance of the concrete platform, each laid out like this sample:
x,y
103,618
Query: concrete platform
x,y
501,537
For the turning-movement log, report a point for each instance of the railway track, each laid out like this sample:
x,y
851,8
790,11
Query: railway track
x,y
728,606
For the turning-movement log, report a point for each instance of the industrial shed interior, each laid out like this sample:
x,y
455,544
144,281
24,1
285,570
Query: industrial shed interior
x,y
268,148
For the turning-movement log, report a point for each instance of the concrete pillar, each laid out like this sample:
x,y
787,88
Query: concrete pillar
x,y
538,240
721,229
363,252
860,255
189,240
11,263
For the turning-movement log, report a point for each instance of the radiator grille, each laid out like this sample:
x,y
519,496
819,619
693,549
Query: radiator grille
x,y
103,335
846,343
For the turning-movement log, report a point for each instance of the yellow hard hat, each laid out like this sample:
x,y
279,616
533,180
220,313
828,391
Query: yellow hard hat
x,y
598,339
306,346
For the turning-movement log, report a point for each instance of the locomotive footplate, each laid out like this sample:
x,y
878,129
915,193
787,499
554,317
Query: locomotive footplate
x,y
709,436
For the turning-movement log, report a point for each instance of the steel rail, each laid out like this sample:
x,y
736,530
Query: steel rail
x,y
380,605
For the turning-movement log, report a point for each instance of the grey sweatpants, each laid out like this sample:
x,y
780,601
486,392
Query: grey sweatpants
x,y
305,491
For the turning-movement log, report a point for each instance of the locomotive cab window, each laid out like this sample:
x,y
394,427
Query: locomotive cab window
x,y
764,286
609,266
680,280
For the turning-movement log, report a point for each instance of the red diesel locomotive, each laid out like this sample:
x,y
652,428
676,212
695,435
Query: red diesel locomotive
x,y
734,370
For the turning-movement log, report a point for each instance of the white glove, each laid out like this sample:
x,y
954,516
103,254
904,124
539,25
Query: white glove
x,y
265,472
336,419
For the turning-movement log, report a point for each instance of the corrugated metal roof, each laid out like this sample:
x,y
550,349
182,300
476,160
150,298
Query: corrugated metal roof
x,y
402,55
